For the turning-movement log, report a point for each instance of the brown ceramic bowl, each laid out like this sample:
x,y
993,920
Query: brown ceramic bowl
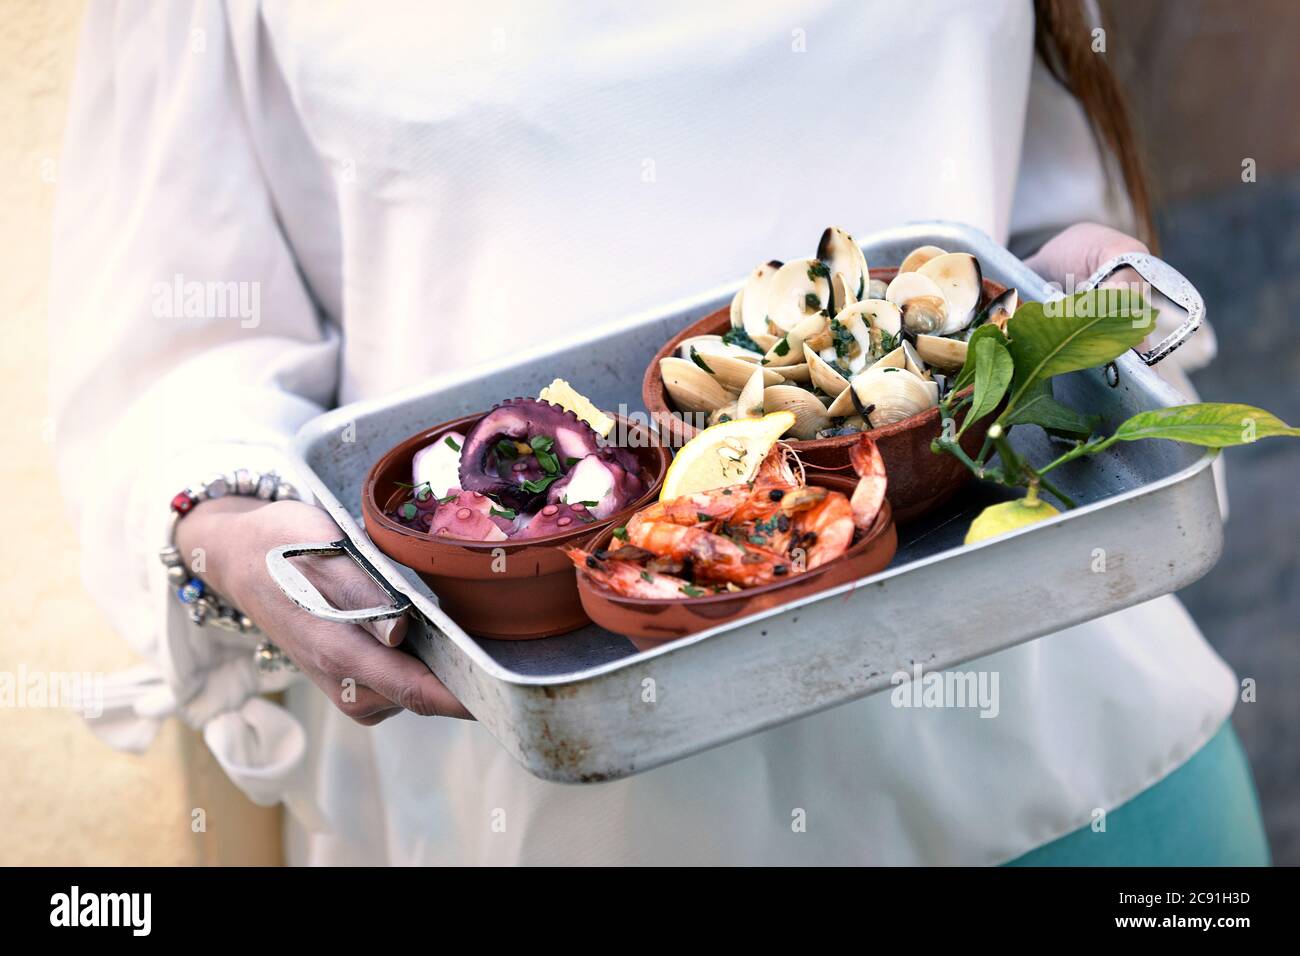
x,y
497,589
648,622
919,480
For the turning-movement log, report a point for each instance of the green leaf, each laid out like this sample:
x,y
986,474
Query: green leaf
x,y
1038,407
1212,424
1077,332
698,359
967,373
993,371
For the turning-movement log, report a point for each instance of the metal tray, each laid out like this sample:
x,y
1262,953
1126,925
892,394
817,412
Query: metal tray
x,y
576,708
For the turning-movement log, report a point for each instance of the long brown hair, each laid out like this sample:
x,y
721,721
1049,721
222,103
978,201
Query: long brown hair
x,y
1063,38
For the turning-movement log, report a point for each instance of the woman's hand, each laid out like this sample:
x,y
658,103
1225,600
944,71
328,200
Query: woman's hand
x,y
357,666
1071,256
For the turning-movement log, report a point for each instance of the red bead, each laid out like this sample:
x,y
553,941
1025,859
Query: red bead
x,y
183,502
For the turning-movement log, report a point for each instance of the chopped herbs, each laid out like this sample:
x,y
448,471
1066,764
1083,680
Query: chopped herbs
x,y
819,270
409,511
782,347
739,337
812,301
541,443
620,533
508,513
447,499
538,485
570,462
843,339
506,449
589,504
691,591
698,359
451,443
647,576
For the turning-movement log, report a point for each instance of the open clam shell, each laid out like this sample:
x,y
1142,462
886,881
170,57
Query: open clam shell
x,y
708,345
753,299
888,394
750,402
919,257
732,373
945,354
844,257
822,374
799,289
789,349
810,415
920,301
692,389
959,277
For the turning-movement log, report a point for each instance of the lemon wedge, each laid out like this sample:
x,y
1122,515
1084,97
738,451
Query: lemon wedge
x,y
725,454
566,396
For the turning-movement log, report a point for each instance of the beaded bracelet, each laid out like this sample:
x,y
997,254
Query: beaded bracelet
x,y
205,605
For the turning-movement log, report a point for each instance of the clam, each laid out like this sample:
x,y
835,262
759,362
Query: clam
x,y
919,257
736,320
809,413
789,348
714,345
844,257
921,302
823,374
795,373
844,404
692,389
753,299
750,402
958,275
887,394
732,373
1002,308
841,295
799,289
876,289
947,355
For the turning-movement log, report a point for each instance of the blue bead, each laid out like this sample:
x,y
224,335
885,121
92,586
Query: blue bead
x,y
190,591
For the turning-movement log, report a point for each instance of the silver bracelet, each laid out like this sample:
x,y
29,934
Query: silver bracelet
x,y
205,605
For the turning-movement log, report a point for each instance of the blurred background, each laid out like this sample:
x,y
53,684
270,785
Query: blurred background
x,y
1211,85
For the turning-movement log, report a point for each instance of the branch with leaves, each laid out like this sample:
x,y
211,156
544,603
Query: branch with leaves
x,y
1088,330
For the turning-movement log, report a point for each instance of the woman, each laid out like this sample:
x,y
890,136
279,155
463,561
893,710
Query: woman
x,y
398,198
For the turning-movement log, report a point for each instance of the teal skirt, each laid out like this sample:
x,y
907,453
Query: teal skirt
x,y
1205,813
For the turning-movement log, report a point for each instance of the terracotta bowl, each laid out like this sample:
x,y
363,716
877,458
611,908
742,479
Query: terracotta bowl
x,y
497,589
919,480
648,622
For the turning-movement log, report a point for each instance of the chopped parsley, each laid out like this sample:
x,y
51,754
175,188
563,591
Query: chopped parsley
x,y
409,511
508,513
506,449
842,338
620,533
819,270
691,591
451,443
782,347
698,359
739,337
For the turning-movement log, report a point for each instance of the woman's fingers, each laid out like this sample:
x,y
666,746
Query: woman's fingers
x,y
358,667
405,681
1076,253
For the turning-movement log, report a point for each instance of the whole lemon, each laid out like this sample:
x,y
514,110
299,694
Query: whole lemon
x,y
1008,516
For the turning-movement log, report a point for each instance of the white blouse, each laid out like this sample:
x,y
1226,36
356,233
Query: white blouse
x,y
402,190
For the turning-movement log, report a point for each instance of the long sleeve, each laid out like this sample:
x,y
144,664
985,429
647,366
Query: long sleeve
x,y
184,341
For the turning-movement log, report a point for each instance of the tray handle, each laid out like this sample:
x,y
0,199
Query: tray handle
x,y
303,593
1166,280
